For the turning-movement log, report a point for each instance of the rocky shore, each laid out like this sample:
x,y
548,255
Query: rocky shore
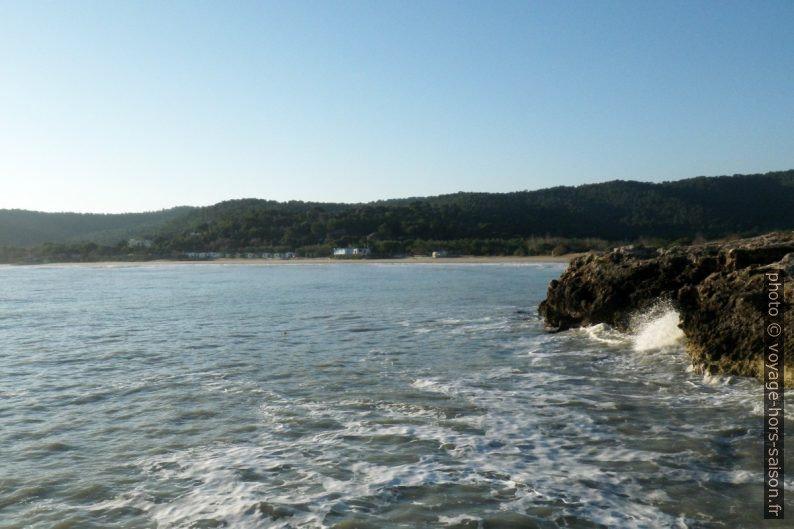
x,y
717,289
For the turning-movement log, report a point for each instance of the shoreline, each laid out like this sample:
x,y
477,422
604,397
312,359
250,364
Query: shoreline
x,y
470,260
726,295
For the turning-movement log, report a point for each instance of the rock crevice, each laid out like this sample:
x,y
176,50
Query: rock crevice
x,y
717,289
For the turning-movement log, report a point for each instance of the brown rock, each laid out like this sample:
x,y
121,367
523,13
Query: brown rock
x,y
716,287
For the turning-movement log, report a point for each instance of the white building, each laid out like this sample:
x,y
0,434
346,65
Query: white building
x,y
204,255
350,251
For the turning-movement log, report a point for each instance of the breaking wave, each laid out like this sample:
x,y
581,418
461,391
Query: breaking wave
x,y
431,398
657,328
653,329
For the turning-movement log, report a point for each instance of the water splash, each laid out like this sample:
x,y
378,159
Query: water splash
x,y
656,328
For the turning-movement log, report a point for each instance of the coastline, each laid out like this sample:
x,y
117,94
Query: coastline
x,y
471,260
725,294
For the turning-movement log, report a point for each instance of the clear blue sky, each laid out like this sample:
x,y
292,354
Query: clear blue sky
x,y
113,106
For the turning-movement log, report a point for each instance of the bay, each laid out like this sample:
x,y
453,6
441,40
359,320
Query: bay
x,y
353,395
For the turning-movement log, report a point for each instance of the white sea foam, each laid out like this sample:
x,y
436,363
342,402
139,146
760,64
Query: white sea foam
x,y
435,385
604,333
482,419
716,379
456,520
509,451
657,328
653,329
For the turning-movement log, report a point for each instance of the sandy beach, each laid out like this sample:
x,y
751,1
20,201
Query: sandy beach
x,y
327,260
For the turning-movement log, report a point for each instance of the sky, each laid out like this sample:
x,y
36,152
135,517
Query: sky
x,y
114,106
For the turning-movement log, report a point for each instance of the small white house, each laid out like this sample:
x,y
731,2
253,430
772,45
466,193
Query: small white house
x,y
204,255
440,253
350,251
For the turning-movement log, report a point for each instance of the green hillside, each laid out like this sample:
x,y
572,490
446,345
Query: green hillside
x,y
28,228
614,211
527,222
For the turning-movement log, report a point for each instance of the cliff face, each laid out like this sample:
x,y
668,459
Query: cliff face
x,y
717,289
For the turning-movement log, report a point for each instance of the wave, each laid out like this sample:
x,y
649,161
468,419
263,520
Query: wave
x,y
605,334
570,457
656,328
653,329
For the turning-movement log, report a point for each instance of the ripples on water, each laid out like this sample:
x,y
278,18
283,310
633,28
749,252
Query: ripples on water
x,y
354,396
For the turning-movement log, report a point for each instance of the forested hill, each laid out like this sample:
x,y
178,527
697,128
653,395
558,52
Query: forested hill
x,y
26,228
615,211
478,223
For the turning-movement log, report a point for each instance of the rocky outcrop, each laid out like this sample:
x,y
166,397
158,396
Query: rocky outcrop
x,y
716,287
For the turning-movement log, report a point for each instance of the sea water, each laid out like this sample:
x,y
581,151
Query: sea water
x,y
355,396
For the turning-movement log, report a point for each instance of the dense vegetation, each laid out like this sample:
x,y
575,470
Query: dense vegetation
x,y
27,228
552,220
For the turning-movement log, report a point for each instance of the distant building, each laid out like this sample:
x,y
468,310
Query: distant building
x,y
204,255
350,251
440,253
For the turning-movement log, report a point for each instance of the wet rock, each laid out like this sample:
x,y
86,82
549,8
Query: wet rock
x,y
275,511
716,287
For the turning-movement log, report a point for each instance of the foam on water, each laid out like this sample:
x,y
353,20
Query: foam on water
x,y
285,479
434,384
601,332
480,420
300,477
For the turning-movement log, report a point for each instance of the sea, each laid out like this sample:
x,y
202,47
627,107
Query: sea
x,y
356,395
